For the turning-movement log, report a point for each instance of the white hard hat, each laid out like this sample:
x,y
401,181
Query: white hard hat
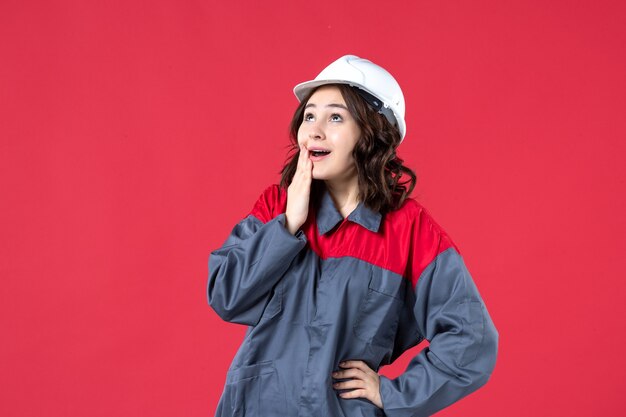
x,y
368,77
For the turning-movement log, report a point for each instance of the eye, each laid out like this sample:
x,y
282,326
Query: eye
x,y
335,117
308,117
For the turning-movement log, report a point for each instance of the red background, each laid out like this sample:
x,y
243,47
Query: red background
x,y
135,134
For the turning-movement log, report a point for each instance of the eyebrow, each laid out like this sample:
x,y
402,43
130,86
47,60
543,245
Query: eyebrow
x,y
341,106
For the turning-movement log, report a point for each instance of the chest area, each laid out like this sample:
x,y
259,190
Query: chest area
x,y
343,292
387,249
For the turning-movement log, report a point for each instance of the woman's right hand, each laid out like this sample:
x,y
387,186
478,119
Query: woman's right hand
x,y
298,193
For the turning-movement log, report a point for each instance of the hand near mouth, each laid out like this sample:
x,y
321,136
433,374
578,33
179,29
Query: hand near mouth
x,y
298,193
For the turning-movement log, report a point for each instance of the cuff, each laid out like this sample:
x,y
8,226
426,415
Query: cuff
x,y
385,390
298,237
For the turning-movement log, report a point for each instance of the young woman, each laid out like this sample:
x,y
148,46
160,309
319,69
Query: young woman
x,y
337,271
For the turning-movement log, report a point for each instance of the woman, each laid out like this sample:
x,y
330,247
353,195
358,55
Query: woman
x,y
337,271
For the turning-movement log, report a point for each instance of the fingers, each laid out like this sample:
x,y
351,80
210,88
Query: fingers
x,y
301,152
357,393
303,168
356,364
298,192
350,373
351,384
304,162
363,382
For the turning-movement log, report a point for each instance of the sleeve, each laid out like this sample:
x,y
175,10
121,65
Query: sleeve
x,y
256,254
452,316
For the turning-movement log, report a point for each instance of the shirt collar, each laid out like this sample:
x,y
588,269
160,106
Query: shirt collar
x,y
328,216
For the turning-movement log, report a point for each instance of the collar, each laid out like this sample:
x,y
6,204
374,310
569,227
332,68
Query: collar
x,y
328,216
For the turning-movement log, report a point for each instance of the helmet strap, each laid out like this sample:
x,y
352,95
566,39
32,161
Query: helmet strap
x,y
377,105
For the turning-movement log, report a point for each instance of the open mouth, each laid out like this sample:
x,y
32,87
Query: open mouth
x,y
319,153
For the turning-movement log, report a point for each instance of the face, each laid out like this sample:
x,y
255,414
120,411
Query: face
x,y
327,125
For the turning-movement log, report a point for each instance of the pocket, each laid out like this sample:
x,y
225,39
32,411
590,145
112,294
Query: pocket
x,y
254,390
377,320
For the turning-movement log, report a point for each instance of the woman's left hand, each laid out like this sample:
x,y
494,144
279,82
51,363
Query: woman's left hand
x,y
365,383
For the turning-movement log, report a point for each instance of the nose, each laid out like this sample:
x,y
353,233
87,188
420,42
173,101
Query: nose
x,y
315,132
310,131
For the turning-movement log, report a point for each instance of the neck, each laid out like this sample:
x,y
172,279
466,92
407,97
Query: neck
x,y
345,195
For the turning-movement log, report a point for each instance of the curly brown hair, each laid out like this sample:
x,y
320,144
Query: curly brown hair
x,y
379,169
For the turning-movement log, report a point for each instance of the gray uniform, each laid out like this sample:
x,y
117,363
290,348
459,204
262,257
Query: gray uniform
x,y
367,288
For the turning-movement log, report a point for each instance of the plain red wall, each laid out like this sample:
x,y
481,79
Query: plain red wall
x,y
135,134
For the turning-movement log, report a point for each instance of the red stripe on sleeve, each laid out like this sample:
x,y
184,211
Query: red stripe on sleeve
x,y
428,241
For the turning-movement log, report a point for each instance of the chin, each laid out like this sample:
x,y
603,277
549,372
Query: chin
x,y
318,175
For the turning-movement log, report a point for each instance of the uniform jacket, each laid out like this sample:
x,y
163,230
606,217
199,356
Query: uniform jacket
x,y
367,287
